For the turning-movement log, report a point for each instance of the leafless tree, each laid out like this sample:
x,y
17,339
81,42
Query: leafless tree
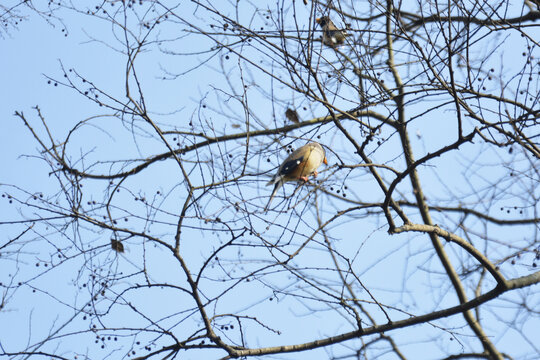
x,y
149,238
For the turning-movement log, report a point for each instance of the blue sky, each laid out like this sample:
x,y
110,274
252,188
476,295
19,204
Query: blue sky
x,y
395,268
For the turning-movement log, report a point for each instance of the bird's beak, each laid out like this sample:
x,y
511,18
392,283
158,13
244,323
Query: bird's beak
x,y
325,161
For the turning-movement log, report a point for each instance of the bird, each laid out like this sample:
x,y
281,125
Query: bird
x,y
299,165
292,115
117,246
332,36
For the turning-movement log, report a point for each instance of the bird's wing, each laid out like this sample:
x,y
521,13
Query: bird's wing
x,y
290,166
287,171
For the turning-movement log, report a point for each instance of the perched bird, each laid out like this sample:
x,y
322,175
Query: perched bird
x,y
299,165
332,36
117,246
292,115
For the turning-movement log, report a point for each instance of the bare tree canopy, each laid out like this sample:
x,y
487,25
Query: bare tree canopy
x,y
139,138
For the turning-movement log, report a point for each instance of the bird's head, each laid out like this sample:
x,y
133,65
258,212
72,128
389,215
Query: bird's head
x,y
322,21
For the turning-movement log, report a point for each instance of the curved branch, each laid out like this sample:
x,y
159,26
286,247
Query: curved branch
x,y
429,229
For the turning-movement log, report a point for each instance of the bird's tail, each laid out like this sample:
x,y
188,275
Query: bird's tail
x,y
279,184
275,179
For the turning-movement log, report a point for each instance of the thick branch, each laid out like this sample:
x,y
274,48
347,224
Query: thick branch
x,y
517,283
